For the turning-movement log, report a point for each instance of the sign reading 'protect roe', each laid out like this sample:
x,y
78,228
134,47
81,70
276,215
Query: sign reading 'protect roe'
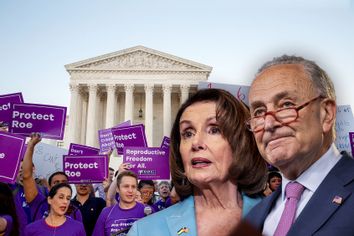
x,y
148,163
86,169
129,136
44,119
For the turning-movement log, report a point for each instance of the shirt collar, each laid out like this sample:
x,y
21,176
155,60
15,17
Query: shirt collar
x,y
314,175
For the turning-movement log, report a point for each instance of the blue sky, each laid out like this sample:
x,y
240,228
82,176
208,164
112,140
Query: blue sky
x,y
39,37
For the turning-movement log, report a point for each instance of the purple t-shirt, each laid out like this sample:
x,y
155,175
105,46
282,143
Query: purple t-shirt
x,y
161,204
40,209
115,220
69,228
9,222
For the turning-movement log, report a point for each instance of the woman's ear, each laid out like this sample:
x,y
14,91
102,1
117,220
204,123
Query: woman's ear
x,y
328,114
49,200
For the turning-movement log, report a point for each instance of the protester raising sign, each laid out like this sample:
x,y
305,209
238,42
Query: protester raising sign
x,y
148,163
6,102
105,137
11,152
47,120
86,169
344,125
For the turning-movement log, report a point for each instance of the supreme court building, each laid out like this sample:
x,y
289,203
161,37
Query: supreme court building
x,y
139,84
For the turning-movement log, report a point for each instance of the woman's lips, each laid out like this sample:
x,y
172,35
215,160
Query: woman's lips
x,y
200,162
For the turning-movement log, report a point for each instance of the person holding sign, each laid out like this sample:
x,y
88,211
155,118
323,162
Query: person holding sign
x,y
37,202
56,223
215,166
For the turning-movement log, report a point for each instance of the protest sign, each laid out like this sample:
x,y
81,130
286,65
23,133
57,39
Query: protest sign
x,y
239,91
48,159
344,125
148,163
6,102
44,119
129,136
82,150
105,137
11,152
86,169
165,142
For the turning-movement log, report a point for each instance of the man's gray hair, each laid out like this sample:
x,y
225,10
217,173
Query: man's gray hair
x,y
318,76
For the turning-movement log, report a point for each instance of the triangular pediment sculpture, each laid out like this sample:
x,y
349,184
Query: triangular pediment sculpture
x,y
138,58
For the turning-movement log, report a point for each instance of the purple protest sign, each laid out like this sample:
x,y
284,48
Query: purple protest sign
x,y
82,150
351,140
44,119
148,163
86,169
165,142
6,102
11,152
129,136
105,137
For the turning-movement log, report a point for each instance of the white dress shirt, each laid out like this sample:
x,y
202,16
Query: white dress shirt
x,y
310,179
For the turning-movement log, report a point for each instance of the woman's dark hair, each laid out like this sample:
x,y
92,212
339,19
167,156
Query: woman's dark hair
x,y
8,207
248,169
273,174
54,174
56,187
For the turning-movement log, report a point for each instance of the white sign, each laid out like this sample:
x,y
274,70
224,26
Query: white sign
x,y
48,159
239,91
344,125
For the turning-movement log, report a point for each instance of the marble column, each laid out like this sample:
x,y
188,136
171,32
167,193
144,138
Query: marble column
x,y
111,98
149,103
129,102
184,92
74,90
166,109
83,120
91,111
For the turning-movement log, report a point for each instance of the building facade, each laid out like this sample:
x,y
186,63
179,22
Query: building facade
x,y
139,84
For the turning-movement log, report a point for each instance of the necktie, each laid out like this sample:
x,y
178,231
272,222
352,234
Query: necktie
x,y
293,193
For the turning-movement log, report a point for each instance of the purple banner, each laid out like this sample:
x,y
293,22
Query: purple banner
x,y
11,152
82,150
6,102
44,119
351,140
148,163
165,142
105,137
129,136
86,169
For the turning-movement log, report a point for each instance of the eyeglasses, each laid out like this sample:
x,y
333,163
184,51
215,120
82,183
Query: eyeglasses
x,y
284,116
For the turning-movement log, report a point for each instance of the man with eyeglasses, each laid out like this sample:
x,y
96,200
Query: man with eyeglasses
x,y
293,111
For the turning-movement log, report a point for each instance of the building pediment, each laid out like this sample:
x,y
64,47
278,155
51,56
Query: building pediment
x,y
138,59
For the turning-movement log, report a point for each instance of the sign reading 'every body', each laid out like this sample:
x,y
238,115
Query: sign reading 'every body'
x,y
44,119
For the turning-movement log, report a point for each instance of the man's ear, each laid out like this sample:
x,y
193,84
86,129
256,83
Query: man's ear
x,y
328,114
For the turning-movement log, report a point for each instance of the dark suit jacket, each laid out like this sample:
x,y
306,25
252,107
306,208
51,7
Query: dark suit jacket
x,y
321,216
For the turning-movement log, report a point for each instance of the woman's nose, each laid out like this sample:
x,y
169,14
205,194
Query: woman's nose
x,y
198,142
